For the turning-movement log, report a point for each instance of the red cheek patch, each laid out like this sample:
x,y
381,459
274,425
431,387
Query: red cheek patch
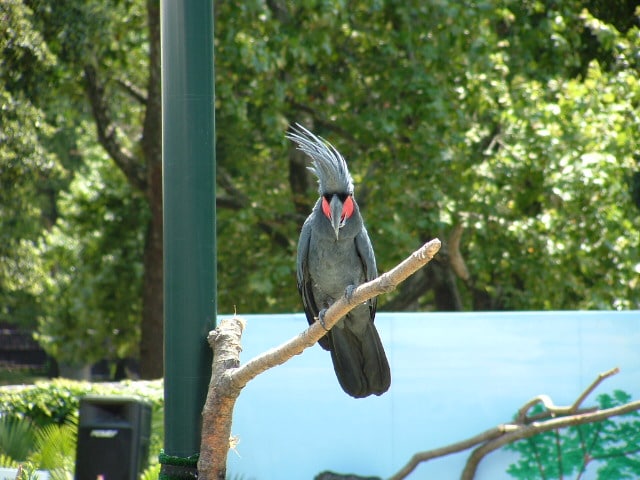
x,y
326,209
347,208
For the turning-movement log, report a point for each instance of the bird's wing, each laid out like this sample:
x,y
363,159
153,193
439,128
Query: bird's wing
x,y
305,282
304,279
365,251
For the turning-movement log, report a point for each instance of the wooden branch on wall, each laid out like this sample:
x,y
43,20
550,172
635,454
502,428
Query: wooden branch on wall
x,y
552,418
228,377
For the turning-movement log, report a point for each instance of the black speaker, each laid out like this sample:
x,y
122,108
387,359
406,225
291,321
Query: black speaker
x,y
113,438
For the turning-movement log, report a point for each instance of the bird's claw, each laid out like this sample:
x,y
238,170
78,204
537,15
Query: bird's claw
x,y
348,292
321,319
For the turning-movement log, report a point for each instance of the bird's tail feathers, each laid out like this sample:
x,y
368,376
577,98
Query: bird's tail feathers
x,y
360,362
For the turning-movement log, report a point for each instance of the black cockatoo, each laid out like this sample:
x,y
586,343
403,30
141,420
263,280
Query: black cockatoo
x,y
334,256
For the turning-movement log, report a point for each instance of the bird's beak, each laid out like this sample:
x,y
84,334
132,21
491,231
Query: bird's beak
x,y
336,214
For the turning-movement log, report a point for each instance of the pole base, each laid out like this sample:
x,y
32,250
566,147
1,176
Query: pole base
x,y
178,468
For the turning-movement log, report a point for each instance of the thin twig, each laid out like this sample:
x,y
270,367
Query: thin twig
x,y
552,410
599,379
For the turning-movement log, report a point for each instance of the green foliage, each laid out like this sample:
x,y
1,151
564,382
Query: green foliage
x,y
151,473
51,448
27,471
93,295
495,115
55,450
514,119
38,423
27,168
71,228
609,448
24,445
57,401
17,436
45,402
7,461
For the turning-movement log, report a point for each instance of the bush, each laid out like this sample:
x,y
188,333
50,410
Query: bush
x,y
56,402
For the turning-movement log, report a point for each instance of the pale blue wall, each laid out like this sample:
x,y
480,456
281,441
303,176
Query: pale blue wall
x,y
453,376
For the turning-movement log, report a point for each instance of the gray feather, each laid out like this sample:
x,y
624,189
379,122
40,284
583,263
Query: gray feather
x,y
328,164
329,262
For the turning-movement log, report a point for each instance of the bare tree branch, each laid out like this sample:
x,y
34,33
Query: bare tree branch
x,y
456,261
217,412
528,431
228,378
599,379
552,410
554,417
385,283
420,457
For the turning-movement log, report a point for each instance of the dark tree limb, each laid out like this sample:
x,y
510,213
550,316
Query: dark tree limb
x,y
228,377
107,131
299,181
481,299
134,92
153,295
236,199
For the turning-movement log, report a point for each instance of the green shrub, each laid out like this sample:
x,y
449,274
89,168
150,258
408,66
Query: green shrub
x,y
57,400
52,407
45,402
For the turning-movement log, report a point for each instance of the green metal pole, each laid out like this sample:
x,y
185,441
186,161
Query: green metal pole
x,y
188,145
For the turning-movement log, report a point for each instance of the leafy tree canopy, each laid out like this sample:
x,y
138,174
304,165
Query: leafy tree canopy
x,y
515,121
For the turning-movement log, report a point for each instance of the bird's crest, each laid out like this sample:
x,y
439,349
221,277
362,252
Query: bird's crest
x,y
328,165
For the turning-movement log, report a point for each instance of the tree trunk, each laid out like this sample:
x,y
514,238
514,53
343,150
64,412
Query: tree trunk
x,y
151,341
151,329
